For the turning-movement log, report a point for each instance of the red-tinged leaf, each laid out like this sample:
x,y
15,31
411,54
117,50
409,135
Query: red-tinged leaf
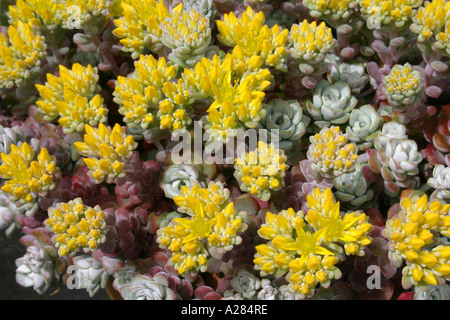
x,y
441,142
376,231
358,281
406,296
378,246
375,216
201,292
396,208
433,155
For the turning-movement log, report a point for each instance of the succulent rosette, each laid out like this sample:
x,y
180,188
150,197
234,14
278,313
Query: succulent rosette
x,y
176,176
363,126
440,182
398,164
331,104
353,189
354,74
285,122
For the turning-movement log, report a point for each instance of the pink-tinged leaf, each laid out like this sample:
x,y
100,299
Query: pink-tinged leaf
x,y
309,82
374,163
224,284
387,268
433,92
378,246
249,204
132,252
406,296
376,231
380,47
186,291
262,204
374,71
201,292
396,208
348,52
109,247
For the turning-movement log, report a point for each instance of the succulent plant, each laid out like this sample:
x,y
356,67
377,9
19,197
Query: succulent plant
x,y
205,7
188,34
438,292
178,175
287,117
440,182
268,290
40,267
437,133
398,164
354,74
403,86
353,189
140,186
128,236
143,287
331,104
363,126
390,130
9,136
246,283
124,275
300,181
330,154
90,274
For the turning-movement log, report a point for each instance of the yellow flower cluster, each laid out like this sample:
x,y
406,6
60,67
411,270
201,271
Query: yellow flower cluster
x,y
27,178
391,13
210,229
443,40
309,42
172,110
76,226
403,80
334,11
140,93
33,10
188,35
261,171
432,19
236,97
411,234
403,85
300,247
214,198
73,96
106,151
253,37
140,26
351,230
21,53
329,153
